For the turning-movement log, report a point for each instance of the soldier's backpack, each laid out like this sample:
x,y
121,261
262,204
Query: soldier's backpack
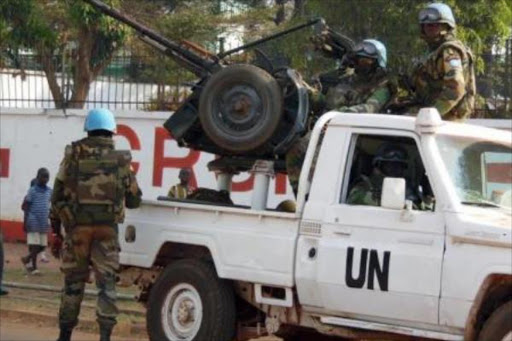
x,y
95,179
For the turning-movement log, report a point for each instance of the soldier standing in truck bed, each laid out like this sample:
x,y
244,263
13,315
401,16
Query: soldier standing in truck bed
x,y
445,77
365,90
94,184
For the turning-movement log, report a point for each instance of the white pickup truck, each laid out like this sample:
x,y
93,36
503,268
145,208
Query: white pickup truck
x,y
212,272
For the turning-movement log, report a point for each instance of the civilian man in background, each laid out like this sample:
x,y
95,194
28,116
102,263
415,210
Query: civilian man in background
x,y
37,207
183,189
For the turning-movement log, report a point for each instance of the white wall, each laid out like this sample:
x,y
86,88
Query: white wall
x,y
36,138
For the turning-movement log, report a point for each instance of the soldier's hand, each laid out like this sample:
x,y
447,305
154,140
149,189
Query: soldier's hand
x,y
56,246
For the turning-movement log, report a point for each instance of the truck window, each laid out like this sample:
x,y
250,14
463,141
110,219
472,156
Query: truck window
x,y
480,170
375,157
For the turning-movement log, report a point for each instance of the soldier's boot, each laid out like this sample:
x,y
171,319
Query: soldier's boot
x,y
65,334
105,332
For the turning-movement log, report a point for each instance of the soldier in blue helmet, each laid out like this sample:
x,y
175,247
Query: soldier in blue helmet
x,y
93,186
363,89
444,78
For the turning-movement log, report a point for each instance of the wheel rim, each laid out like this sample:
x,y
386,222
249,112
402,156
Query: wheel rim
x,y
508,336
182,312
239,110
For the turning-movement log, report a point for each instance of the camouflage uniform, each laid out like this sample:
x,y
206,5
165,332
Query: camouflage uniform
x,y
360,94
93,185
367,191
353,94
445,79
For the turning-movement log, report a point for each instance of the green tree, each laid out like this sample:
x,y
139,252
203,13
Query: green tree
x,y
50,28
483,25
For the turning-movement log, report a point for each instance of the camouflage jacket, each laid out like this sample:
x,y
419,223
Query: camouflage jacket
x,y
94,184
367,191
359,94
445,79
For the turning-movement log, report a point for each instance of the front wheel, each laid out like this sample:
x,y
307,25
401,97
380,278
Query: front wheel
x,y
189,302
499,325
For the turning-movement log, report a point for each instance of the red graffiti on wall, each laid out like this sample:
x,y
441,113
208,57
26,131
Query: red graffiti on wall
x,y
160,161
133,140
4,162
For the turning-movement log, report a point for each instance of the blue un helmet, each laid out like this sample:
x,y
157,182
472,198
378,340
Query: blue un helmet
x,y
100,119
372,48
437,13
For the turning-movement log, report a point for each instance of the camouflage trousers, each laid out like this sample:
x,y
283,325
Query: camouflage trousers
x,y
294,161
86,246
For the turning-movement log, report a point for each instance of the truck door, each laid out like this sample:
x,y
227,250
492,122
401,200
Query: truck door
x,y
369,262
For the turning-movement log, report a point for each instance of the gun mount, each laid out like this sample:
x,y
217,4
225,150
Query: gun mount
x,y
254,111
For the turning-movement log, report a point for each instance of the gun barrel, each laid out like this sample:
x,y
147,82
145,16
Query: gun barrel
x,y
273,36
192,61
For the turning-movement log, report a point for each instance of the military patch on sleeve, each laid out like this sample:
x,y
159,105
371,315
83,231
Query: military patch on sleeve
x,y
455,63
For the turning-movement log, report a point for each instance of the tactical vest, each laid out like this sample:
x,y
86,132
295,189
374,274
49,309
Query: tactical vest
x,y
95,181
353,90
466,104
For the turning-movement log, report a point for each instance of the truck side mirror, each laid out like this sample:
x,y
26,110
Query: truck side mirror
x,y
393,193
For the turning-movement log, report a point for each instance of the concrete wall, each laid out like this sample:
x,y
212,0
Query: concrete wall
x,y
34,138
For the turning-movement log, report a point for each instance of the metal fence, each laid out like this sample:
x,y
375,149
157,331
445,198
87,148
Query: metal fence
x,y
127,83
149,82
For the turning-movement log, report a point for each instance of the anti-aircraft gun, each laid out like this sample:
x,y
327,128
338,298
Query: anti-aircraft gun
x,y
252,110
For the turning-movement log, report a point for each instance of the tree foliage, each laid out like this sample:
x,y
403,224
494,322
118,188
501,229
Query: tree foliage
x,y
483,25
50,28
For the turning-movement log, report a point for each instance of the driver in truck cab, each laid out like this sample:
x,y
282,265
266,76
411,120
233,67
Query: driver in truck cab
x,y
366,89
389,161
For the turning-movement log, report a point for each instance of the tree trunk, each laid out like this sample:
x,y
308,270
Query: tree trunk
x,y
49,70
82,72
280,14
299,8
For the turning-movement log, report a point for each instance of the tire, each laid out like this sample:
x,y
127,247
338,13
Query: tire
x,y
240,108
195,284
498,327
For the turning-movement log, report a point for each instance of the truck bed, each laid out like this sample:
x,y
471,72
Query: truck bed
x,y
245,244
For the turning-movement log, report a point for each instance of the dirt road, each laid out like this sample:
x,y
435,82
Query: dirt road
x,y
18,331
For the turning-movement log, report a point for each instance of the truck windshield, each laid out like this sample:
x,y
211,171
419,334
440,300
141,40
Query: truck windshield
x,y
481,170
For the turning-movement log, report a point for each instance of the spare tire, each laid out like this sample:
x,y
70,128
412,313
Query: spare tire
x,y
240,108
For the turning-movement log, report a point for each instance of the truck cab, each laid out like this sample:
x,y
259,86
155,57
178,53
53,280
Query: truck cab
x,y
432,259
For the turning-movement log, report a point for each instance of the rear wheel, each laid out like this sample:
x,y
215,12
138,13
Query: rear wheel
x,y
499,325
189,302
240,108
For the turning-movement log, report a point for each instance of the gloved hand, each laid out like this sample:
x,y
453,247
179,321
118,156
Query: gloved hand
x,y
56,246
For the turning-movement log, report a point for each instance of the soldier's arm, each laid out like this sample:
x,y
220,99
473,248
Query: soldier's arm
x,y
361,194
450,66
374,104
58,196
133,195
